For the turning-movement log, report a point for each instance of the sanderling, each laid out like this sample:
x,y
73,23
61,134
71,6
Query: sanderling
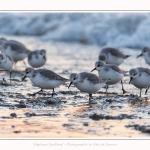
x,y
7,63
140,78
111,72
37,58
14,49
146,54
86,82
112,56
44,79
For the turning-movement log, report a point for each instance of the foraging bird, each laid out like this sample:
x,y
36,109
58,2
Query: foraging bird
x,y
140,78
37,58
14,49
112,56
86,82
6,63
44,79
111,72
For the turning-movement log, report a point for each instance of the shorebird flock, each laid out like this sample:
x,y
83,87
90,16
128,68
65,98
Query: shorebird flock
x,y
107,66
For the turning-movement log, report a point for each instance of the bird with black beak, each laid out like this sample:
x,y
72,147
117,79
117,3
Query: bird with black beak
x,y
86,82
111,72
140,78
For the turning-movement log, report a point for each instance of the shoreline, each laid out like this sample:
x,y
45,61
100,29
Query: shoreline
x,y
68,114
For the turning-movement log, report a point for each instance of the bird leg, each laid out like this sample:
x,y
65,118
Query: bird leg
x,y
90,97
123,88
53,93
4,80
10,77
106,89
37,92
146,90
140,92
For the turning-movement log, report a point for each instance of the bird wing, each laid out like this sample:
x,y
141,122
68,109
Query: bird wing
x,y
51,75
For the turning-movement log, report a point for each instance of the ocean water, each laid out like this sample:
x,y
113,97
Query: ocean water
x,y
118,29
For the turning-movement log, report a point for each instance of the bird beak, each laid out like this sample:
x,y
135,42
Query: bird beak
x,y
24,77
93,69
139,55
70,84
130,80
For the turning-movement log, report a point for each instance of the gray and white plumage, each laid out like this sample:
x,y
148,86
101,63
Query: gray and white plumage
x,y
146,54
44,78
6,62
140,77
113,67
86,82
112,56
13,48
37,58
50,75
111,72
90,77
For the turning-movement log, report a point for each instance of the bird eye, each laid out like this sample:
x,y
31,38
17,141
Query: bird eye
x,y
134,74
74,78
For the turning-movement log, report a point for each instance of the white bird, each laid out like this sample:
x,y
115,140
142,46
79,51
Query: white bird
x,y
140,78
111,72
14,49
112,56
86,82
44,78
37,58
6,63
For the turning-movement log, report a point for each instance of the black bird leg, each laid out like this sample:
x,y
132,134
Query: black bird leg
x,y
90,97
146,90
106,89
37,92
53,93
123,88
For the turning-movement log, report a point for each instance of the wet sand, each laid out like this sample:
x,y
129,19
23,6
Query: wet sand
x,y
68,114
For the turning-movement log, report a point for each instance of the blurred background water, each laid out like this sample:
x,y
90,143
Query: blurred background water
x,y
73,42
130,30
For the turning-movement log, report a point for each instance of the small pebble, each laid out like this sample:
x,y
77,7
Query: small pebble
x,y
13,115
13,126
91,131
17,131
86,124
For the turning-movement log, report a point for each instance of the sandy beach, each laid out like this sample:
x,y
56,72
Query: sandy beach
x,y
68,114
